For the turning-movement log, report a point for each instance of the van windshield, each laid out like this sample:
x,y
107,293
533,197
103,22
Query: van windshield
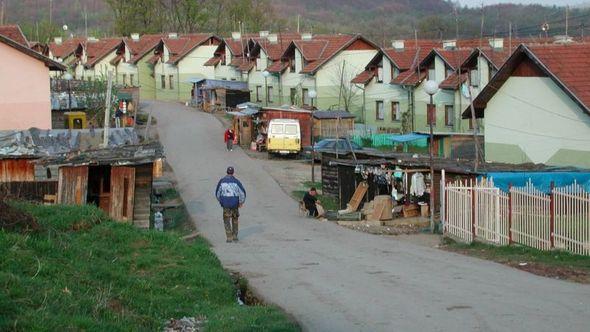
x,y
291,129
276,129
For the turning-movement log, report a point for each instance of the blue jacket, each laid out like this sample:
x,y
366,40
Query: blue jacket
x,y
230,193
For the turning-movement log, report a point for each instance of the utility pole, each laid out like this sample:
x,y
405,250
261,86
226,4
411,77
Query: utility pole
x,y
85,22
298,17
566,19
475,126
107,109
2,5
509,37
50,11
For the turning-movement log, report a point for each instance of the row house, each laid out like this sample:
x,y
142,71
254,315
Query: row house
x,y
67,52
537,107
179,61
229,60
137,69
24,101
324,64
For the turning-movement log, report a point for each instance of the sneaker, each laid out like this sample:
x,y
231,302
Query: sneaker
x,y
236,239
228,240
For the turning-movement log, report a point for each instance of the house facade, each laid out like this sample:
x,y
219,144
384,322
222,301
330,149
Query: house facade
x,y
180,61
25,102
536,109
136,70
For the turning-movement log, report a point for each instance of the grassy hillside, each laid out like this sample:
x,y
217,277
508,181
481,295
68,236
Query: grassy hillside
x,y
81,271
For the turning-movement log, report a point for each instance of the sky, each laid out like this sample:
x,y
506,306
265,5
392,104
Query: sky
x,y
543,2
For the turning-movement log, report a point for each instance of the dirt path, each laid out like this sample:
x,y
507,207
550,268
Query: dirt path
x,y
335,279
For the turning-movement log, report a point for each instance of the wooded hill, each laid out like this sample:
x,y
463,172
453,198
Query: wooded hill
x,y
380,20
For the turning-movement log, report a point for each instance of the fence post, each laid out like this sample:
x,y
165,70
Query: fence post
x,y
473,210
552,215
509,213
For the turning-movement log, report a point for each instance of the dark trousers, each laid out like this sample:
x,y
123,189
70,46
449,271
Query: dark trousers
x,y
230,222
313,211
230,144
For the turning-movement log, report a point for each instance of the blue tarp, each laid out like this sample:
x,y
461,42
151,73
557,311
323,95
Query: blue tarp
x,y
541,180
407,137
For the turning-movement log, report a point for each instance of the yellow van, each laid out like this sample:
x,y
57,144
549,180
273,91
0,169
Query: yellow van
x,y
284,136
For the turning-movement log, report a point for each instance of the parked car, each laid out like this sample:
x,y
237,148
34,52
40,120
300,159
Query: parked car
x,y
284,137
331,145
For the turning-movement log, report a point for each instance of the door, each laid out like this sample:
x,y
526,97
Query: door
x,y
292,140
276,136
122,193
72,185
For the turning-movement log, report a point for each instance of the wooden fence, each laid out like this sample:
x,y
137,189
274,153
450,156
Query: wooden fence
x,y
524,215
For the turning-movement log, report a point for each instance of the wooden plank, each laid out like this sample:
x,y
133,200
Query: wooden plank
x,y
72,185
357,197
122,193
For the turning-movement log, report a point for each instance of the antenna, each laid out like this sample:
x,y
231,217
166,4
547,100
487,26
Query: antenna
x,y
298,17
510,37
481,27
566,18
2,5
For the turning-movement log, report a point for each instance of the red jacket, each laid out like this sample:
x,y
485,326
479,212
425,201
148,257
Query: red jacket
x,y
229,135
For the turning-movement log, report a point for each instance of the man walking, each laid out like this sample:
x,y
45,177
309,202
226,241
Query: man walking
x,y
231,195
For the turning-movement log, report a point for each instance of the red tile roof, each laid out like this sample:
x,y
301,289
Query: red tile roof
x,y
184,44
274,50
52,65
246,66
456,57
14,33
277,67
213,61
407,58
569,64
97,50
364,77
453,81
140,48
496,57
65,48
410,77
237,61
322,48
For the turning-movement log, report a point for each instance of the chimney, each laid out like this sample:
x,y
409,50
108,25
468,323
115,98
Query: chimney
x,y
236,35
263,33
496,43
450,44
58,40
272,38
135,36
173,35
92,39
306,36
398,44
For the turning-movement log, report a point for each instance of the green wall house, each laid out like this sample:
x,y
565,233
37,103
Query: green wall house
x,y
181,60
139,69
536,108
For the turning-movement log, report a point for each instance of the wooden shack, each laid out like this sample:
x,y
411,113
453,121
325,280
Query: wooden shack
x,y
73,168
304,116
332,124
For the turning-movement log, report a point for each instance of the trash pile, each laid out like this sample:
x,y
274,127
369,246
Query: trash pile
x,y
13,219
185,324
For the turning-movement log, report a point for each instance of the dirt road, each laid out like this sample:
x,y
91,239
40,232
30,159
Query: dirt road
x,y
334,279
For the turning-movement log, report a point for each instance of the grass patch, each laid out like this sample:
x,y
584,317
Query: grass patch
x,y
329,203
102,275
553,264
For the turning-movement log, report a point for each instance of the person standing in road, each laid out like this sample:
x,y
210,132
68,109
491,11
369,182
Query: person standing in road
x,y
231,195
229,139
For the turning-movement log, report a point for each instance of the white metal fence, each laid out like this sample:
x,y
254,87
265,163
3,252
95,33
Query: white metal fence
x,y
524,215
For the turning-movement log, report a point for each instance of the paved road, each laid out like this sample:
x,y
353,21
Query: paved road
x,y
335,279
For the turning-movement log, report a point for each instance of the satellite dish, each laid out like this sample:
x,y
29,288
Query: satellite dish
x,y
65,27
465,90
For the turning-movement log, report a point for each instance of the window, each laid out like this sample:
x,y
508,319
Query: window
x,y
163,78
449,115
276,129
259,64
170,81
224,78
379,112
124,79
380,74
131,79
474,78
233,78
223,59
269,94
291,66
396,114
258,93
306,99
293,94
291,129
